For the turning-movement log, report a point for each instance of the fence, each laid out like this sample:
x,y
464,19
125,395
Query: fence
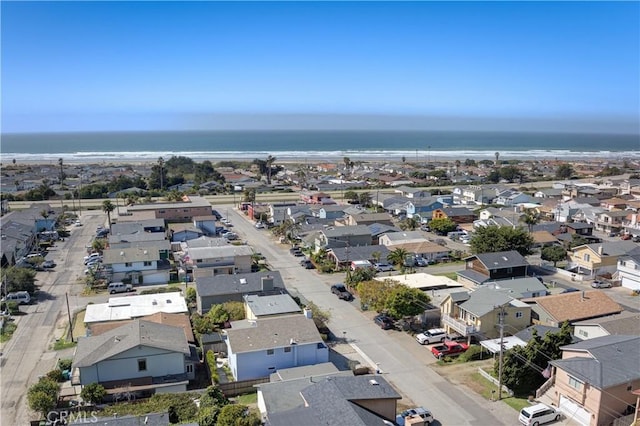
x,y
494,381
241,387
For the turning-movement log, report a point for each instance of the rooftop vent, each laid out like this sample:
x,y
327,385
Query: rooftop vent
x,y
372,382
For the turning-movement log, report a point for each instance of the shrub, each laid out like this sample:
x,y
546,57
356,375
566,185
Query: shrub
x,y
55,375
474,353
93,393
43,396
65,364
213,367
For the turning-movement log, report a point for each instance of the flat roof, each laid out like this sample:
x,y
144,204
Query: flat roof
x,y
422,280
135,306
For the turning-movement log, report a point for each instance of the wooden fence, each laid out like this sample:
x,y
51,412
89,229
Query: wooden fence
x,y
241,387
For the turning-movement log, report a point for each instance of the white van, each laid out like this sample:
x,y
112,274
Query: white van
x,y
119,288
435,335
456,234
538,414
22,297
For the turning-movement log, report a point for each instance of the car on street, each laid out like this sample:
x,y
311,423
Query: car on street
x,y
383,267
449,349
296,251
414,413
48,264
341,291
570,290
600,284
260,225
77,223
308,264
384,321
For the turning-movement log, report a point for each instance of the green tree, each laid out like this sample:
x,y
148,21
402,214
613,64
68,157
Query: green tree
x,y
108,207
510,173
351,196
530,218
213,396
375,294
93,393
19,279
409,224
610,171
406,301
208,416
192,296
235,310
365,199
237,415
492,239
218,314
359,275
320,317
523,365
553,254
397,256
270,160
564,171
577,240
203,324
43,396
443,225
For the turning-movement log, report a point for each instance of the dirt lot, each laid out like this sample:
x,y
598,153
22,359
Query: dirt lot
x,y
461,374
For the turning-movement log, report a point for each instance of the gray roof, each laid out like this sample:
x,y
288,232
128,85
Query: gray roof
x,y
457,211
305,371
134,254
474,276
459,296
136,226
615,248
344,254
484,300
526,334
206,242
343,231
406,235
625,323
381,228
333,401
271,305
501,259
94,349
614,360
271,333
518,287
237,283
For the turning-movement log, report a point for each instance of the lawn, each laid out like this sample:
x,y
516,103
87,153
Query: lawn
x,y
248,399
7,331
451,275
489,391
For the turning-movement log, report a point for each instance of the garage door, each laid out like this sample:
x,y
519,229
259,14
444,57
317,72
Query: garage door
x,y
574,412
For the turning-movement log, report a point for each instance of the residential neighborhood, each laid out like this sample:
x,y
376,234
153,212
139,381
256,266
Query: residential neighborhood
x,y
192,294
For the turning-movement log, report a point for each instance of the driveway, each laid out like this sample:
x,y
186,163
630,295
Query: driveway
x,y
402,361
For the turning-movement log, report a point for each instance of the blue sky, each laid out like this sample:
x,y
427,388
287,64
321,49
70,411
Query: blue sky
x,y
170,65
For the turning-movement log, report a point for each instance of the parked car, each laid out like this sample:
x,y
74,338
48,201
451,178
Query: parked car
x,y
448,349
420,261
538,414
420,412
570,290
119,288
385,322
77,223
432,336
600,284
307,264
383,267
48,264
296,251
260,225
21,297
341,291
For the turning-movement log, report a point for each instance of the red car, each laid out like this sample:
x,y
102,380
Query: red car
x,y
448,349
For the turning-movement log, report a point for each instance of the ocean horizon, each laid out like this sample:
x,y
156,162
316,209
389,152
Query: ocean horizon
x,y
310,145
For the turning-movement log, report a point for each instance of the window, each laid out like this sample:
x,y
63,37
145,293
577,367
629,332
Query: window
x,y
161,211
189,368
575,383
509,270
269,351
519,314
583,333
287,349
586,257
128,264
142,364
147,263
185,210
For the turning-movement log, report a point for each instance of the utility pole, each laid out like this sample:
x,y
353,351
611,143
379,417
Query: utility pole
x,y
66,295
501,325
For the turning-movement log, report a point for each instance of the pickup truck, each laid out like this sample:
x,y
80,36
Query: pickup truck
x,y
448,349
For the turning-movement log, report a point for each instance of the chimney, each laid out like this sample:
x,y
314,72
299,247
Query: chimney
x,y
267,283
582,296
600,250
307,313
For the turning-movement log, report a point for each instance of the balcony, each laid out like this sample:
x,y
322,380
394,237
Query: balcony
x,y
458,325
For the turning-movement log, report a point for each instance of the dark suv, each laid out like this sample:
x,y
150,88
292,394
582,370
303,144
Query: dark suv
x,y
341,291
385,322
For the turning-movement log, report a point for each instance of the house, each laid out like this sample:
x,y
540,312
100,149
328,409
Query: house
x,y
175,320
137,306
422,207
410,192
395,238
329,399
181,211
184,232
206,224
258,348
368,219
493,266
139,356
140,265
511,197
425,249
343,256
627,323
628,268
141,226
478,312
611,221
377,230
258,307
216,289
456,214
597,380
343,236
598,258
575,306
219,260
328,212
519,288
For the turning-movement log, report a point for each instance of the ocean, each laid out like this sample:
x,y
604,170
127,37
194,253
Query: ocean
x,y
314,146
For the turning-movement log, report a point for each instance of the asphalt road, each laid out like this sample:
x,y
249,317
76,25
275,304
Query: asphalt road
x,y
28,355
402,361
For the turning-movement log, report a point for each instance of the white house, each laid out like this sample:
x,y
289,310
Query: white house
x,y
260,347
144,265
625,322
229,259
394,238
140,355
130,307
629,270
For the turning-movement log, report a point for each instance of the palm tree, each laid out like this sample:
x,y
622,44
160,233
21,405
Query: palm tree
x,y
108,207
161,165
397,256
60,163
497,154
270,161
530,217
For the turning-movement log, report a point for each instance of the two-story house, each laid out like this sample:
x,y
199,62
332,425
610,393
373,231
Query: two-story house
x,y
555,309
140,265
343,236
258,348
456,214
629,269
368,219
479,311
216,260
625,322
180,211
484,267
595,259
611,221
597,380
422,208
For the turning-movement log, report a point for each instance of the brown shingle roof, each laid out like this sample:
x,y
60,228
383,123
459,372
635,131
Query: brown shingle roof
x,y
176,320
577,305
